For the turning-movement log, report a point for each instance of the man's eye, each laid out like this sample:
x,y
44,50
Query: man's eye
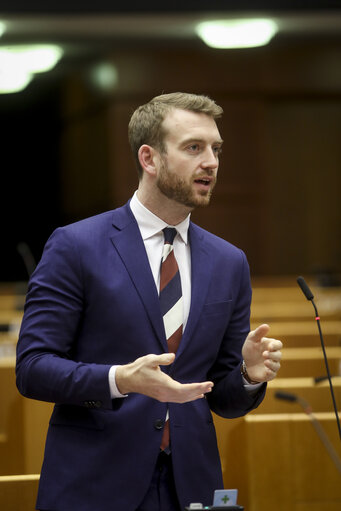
x,y
217,150
194,147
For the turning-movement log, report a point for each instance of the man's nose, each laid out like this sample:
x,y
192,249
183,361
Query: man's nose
x,y
210,159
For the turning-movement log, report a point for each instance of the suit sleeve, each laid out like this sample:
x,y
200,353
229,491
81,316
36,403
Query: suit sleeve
x,y
229,397
54,306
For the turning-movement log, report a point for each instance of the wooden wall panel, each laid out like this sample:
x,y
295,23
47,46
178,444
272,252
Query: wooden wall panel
x,y
18,492
277,461
278,194
303,183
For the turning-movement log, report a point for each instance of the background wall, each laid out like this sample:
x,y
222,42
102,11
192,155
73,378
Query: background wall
x,y
65,153
278,194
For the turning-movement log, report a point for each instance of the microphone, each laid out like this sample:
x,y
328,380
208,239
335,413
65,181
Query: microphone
x,y
286,396
309,296
27,257
317,426
305,289
293,398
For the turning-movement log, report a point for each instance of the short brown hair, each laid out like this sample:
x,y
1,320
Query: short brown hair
x,y
145,126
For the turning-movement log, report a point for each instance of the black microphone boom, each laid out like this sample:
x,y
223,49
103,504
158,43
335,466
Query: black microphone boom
x,y
317,426
286,396
27,257
309,296
305,289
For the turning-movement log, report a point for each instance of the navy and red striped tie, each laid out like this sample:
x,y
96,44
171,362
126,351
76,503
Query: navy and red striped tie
x,y
171,303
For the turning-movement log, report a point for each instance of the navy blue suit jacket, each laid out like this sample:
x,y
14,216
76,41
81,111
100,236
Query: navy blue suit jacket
x,y
92,302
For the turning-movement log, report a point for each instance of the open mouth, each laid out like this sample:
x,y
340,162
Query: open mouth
x,y
203,181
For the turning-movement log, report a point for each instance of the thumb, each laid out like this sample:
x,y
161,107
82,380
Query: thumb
x,y
165,359
257,334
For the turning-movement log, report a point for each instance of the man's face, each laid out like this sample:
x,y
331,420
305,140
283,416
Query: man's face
x,y
188,171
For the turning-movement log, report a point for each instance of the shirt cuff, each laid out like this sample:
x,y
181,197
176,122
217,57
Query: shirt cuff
x,y
114,392
251,388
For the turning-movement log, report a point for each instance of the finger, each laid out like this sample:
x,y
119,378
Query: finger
x,y
175,392
194,388
271,346
257,334
273,365
192,391
275,345
162,360
274,357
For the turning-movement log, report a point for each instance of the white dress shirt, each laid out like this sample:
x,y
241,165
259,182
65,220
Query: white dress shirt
x,y
151,228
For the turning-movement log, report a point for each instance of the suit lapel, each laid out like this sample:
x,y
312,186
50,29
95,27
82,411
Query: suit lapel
x,y
128,242
201,271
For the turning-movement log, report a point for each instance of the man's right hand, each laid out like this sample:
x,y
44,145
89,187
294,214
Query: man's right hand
x,y
145,377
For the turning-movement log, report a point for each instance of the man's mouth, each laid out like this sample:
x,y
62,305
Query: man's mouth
x,y
203,181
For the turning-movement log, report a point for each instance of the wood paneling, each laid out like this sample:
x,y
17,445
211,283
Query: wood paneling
x,y
273,455
277,461
279,185
19,492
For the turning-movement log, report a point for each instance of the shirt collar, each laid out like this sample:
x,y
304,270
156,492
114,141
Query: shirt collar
x,y
150,224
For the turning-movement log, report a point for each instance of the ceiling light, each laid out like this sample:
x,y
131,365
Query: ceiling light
x,y
13,82
2,28
105,76
35,58
243,33
19,63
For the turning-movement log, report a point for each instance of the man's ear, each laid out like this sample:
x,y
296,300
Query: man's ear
x,y
148,158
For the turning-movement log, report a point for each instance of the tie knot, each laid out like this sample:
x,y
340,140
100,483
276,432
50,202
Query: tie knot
x,y
169,234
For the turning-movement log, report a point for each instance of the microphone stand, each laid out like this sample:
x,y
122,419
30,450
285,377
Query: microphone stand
x,y
309,296
317,426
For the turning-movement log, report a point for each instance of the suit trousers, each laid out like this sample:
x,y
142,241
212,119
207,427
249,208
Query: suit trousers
x,y
161,495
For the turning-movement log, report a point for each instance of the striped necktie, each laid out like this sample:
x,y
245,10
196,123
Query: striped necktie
x,y
171,303
170,292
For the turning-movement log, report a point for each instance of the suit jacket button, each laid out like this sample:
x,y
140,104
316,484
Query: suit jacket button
x,y
97,404
159,423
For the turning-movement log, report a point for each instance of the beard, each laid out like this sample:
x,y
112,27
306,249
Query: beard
x,y
176,188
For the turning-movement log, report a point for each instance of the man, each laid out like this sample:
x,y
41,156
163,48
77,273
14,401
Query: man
x,y
132,428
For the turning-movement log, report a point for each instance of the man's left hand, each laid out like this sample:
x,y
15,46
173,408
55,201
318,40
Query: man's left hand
x,y
261,355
